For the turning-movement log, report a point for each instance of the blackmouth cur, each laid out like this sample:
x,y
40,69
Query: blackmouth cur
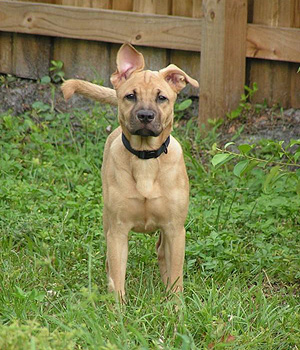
x,y
145,184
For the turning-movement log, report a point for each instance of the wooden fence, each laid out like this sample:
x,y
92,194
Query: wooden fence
x,y
222,43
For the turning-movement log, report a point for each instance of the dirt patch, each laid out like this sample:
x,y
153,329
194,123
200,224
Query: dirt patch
x,y
268,123
19,95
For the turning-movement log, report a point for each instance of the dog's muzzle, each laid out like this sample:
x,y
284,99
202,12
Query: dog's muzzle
x,y
145,116
146,123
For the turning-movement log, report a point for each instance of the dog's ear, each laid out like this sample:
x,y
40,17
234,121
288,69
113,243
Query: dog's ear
x,y
129,60
177,78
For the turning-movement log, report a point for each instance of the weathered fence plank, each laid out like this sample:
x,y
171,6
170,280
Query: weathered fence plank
x,y
6,53
295,77
273,78
155,58
31,56
171,32
197,9
83,58
122,5
278,44
223,60
188,61
101,25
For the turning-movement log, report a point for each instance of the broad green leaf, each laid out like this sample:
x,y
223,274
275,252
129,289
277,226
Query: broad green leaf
x,y
8,121
245,148
45,80
298,187
271,178
240,167
296,156
294,142
229,144
21,293
251,165
219,158
254,87
184,104
40,296
235,113
40,106
243,97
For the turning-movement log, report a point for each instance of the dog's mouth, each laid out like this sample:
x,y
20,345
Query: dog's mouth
x,y
146,132
144,122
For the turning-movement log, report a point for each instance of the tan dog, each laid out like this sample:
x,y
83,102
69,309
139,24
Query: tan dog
x,y
145,184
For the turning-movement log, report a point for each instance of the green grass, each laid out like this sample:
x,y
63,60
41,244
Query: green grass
x,y
242,249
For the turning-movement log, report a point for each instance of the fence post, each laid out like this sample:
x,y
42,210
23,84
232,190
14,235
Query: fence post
x,y
223,57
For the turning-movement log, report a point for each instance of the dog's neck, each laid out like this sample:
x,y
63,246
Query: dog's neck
x,y
146,154
149,143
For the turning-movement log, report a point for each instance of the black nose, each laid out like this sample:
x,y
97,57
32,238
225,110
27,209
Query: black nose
x,y
145,115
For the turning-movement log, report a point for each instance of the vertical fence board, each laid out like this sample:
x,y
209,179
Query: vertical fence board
x,y
273,78
295,77
155,58
83,59
187,60
222,57
122,5
152,6
24,55
101,4
31,55
197,9
6,53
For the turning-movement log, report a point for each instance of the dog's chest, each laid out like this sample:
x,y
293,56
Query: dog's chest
x,y
146,177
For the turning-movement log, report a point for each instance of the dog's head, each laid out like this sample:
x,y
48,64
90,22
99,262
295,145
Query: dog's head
x,y
146,98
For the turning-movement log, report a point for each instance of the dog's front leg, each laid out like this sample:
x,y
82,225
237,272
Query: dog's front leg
x,y
116,259
171,257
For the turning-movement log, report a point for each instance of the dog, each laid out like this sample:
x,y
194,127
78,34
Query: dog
x,y
145,183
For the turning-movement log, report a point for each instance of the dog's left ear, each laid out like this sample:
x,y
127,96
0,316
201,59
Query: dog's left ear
x,y
177,78
129,60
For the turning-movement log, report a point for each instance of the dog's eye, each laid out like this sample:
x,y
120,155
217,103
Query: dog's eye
x,y
130,97
161,98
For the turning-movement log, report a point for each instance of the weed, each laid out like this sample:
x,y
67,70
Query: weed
x,y
56,71
179,108
7,79
281,161
244,104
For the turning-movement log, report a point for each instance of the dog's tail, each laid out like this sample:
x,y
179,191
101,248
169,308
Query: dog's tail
x,y
96,92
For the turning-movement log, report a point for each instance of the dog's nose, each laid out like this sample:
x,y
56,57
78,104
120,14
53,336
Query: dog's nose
x,y
145,115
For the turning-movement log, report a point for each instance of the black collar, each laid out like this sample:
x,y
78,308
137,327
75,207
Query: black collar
x,y
146,154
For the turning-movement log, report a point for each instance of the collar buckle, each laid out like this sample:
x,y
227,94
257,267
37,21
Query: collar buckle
x,y
147,154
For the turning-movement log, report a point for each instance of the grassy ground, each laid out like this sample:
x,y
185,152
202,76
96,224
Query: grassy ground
x,y
241,257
